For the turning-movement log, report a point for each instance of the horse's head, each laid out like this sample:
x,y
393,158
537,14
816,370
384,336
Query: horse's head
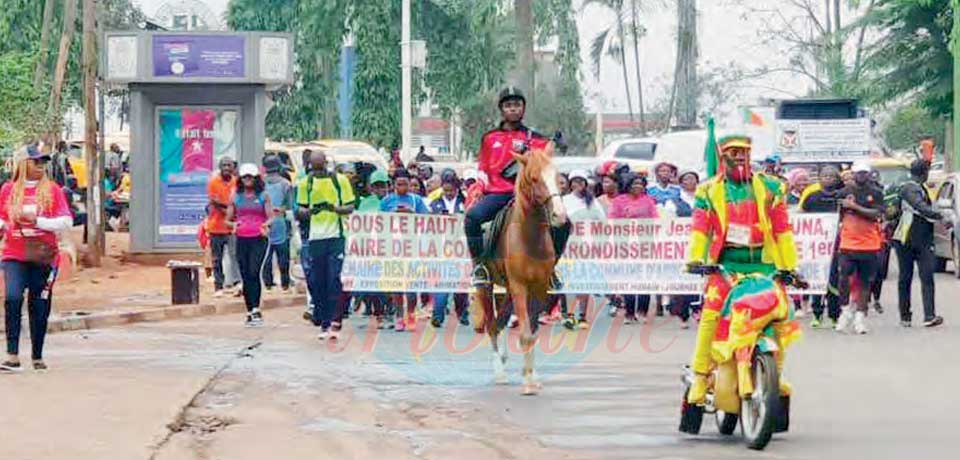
x,y
537,184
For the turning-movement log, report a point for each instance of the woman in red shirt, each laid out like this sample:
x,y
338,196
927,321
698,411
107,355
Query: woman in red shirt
x,y
634,203
33,210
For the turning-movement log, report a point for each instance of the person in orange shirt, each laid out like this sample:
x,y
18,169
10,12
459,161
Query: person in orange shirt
x,y
220,191
861,209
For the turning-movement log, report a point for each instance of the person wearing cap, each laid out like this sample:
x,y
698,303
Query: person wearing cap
x,y
773,166
822,197
325,198
220,191
913,241
33,211
251,214
280,191
861,209
740,221
689,181
378,187
664,190
609,187
496,160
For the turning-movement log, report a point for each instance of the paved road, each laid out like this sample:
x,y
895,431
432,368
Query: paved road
x,y
209,389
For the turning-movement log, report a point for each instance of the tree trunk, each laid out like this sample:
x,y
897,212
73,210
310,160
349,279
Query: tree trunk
x,y
636,59
827,16
623,65
94,171
41,70
69,24
525,68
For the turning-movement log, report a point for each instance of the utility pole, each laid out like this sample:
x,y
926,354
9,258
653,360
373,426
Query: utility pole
x,y
687,54
406,63
94,170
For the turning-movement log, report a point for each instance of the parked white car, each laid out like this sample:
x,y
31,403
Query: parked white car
x,y
945,237
639,153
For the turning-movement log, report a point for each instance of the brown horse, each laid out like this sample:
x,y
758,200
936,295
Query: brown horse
x,y
524,261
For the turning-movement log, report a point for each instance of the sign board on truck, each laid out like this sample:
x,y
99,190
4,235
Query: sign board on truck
x,y
822,141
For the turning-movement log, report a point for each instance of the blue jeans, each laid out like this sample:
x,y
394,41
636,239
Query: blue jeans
x,y
460,302
326,263
37,280
282,250
481,212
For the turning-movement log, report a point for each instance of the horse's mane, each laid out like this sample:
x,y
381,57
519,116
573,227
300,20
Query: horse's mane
x,y
530,175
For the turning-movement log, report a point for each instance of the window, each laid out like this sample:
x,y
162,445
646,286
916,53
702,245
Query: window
x,y
637,151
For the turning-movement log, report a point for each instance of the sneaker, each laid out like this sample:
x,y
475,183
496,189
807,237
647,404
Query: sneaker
x,y
323,335
10,366
381,324
684,324
436,323
860,323
583,323
268,289
815,323
257,317
250,321
333,335
906,323
613,310
569,322
40,366
844,322
799,314
285,289
481,276
464,320
218,293
514,322
934,322
833,323
878,307
400,325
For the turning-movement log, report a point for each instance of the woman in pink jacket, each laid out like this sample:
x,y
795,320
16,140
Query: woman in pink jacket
x,y
634,203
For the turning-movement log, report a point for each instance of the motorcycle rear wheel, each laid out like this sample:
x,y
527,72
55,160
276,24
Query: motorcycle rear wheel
x,y
759,412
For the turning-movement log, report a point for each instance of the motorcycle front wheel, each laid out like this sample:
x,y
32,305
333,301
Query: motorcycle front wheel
x,y
758,413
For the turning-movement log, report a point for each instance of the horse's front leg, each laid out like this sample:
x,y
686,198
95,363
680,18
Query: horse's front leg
x,y
522,307
485,301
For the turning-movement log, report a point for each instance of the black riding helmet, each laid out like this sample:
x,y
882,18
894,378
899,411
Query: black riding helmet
x,y
511,93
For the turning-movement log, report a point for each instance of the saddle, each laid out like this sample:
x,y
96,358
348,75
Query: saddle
x,y
495,229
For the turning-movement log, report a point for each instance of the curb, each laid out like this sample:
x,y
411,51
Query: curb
x,y
104,320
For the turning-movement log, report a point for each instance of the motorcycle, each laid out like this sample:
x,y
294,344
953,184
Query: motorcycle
x,y
744,384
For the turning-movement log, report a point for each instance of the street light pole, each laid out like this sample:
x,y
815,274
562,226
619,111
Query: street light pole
x,y
407,92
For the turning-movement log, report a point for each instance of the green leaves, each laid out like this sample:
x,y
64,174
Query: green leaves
x,y
22,104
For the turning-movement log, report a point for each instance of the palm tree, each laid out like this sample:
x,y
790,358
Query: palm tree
x,y
612,42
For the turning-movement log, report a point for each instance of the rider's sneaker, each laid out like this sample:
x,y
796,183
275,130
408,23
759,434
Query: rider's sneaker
x,y
481,276
846,316
555,282
815,323
860,323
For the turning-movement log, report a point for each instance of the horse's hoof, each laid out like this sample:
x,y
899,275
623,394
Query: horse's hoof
x,y
531,389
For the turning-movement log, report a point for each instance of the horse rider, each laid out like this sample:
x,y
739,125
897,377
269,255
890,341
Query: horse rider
x,y
740,221
500,168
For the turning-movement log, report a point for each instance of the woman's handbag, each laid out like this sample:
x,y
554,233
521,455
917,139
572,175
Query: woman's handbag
x,y
36,251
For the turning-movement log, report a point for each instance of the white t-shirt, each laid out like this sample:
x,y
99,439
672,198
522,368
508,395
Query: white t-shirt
x,y
577,209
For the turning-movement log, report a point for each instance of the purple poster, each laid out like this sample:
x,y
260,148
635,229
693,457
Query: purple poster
x,y
192,56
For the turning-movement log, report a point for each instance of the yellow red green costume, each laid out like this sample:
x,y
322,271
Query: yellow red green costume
x,y
739,303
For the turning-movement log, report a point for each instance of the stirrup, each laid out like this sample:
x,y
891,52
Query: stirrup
x,y
481,276
556,283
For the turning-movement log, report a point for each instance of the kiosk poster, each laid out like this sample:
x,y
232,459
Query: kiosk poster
x,y
198,56
186,151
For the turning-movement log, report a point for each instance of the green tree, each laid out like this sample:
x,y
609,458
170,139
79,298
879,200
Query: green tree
x,y
22,103
911,123
306,110
911,59
376,30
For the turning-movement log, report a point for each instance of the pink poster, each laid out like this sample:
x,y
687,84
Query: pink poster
x,y
198,137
